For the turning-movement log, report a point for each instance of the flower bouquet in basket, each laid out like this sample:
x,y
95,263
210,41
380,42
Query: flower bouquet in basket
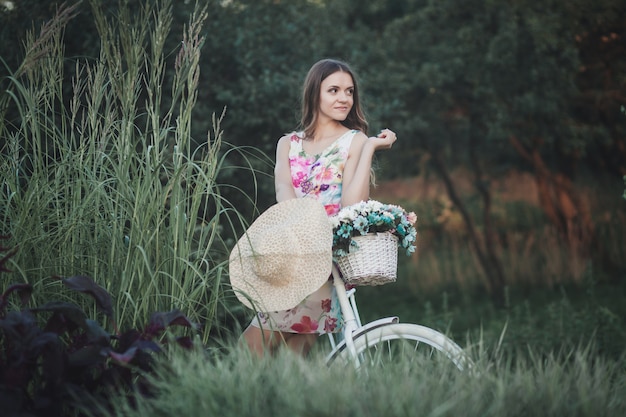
x,y
366,238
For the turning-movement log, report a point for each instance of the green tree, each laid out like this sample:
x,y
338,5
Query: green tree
x,y
468,79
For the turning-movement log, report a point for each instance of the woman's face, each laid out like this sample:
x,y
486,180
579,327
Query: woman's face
x,y
336,96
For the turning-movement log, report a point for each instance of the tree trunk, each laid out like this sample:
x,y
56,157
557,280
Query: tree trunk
x,y
492,269
560,202
496,272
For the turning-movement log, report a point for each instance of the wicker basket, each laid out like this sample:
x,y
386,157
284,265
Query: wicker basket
x,y
374,261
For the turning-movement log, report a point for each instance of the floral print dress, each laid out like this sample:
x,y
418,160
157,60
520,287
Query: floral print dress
x,y
320,177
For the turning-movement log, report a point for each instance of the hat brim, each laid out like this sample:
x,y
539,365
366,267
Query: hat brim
x,y
306,257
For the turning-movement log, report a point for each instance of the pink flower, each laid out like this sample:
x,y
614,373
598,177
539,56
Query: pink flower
x,y
306,325
412,217
330,324
298,179
326,305
332,209
326,175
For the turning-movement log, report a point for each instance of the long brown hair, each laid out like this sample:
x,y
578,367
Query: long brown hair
x,y
311,97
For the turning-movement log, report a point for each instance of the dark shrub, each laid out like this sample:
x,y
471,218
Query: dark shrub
x,y
53,358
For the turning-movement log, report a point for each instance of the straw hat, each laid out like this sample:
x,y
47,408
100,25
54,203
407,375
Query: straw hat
x,y
285,255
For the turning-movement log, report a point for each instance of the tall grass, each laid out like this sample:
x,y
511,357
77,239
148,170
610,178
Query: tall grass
x,y
107,181
573,383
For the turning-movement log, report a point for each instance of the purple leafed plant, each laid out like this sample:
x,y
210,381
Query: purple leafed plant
x,y
54,358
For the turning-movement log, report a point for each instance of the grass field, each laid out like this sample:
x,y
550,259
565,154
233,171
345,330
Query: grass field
x,y
572,383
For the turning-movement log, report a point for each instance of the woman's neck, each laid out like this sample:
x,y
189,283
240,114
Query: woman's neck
x,y
328,131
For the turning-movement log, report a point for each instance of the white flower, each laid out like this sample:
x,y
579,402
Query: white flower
x,y
8,5
372,216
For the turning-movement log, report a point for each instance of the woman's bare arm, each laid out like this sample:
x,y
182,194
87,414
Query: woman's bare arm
x,y
356,174
282,171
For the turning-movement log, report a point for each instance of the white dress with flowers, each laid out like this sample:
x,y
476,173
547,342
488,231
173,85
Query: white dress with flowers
x,y
320,177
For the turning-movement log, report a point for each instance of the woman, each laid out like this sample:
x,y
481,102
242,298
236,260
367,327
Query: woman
x,y
329,160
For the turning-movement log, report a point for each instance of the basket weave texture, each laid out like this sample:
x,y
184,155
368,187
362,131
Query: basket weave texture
x,y
374,261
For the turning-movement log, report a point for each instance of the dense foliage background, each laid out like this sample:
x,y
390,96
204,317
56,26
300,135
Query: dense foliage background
x,y
442,74
487,86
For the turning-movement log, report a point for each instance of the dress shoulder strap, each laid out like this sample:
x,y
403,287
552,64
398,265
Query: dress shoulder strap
x,y
295,142
346,139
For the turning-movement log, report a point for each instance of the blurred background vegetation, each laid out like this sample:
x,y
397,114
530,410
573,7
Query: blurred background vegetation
x,y
512,149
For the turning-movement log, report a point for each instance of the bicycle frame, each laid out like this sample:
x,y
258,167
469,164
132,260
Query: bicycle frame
x,y
352,326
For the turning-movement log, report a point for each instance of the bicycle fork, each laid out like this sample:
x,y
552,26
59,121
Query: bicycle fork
x,y
351,321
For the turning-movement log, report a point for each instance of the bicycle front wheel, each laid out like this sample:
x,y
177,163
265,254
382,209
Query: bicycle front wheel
x,y
395,342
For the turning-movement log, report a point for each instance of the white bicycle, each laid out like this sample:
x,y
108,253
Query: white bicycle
x,y
382,341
